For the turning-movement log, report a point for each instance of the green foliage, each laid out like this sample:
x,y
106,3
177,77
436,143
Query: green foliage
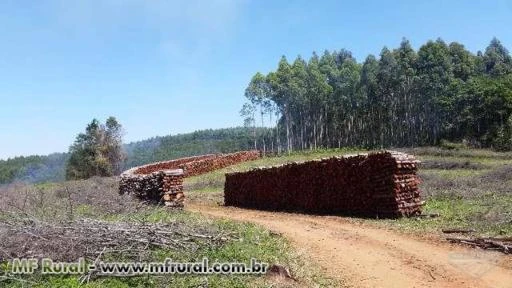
x,y
497,59
189,144
503,141
33,168
403,98
484,105
97,152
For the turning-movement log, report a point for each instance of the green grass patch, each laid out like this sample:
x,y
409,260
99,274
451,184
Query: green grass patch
x,y
453,174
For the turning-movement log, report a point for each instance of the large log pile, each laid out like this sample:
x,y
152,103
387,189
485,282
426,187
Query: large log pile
x,y
162,182
381,184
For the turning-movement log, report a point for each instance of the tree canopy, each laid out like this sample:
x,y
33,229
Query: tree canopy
x,y
97,152
403,97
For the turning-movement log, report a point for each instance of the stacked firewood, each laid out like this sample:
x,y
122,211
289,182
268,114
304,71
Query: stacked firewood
x,y
165,187
220,161
166,165
162,182
199,164
381,184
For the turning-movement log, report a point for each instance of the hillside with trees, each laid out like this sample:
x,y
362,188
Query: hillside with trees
x,y
402,98
195,143
34,169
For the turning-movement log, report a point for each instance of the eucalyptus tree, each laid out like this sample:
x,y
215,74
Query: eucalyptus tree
x,y
319,91
370,92
387,79
299,100
435,74
497,59
280,84
248,112
406,108
258,94
330,72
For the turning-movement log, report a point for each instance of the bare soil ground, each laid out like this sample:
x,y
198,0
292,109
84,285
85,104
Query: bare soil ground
x,y
363,255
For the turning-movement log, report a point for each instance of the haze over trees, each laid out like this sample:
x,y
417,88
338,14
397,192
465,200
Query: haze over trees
x,y
34,169
97,152
403,97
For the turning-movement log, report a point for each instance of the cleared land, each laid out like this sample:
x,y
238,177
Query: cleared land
x,y
90,219
468,188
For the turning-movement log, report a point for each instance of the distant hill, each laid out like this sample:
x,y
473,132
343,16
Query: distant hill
x,y
33,169
50,168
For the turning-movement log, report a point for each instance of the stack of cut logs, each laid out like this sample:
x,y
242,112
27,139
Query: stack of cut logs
x,y
162,182
164,187
381,184
209,164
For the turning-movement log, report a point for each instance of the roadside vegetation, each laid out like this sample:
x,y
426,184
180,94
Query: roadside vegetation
x,y
61,221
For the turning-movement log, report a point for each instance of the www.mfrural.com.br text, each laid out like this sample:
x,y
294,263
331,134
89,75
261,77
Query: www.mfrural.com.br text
x,y
168,266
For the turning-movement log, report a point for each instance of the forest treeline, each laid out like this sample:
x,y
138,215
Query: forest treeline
x,y
402,98
196,143
35,169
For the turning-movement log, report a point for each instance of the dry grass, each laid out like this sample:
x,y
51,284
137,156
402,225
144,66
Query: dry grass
x,y
66,201
449,165
64,221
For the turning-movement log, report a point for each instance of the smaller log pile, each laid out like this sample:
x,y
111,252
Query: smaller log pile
x,y
162,182
164,187
382,184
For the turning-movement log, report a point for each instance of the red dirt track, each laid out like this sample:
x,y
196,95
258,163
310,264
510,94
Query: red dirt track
x,y
362,255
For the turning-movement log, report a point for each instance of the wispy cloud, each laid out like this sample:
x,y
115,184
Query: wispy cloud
x,y
212,17
185,32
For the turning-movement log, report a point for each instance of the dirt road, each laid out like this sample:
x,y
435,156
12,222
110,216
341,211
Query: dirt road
x,y
367,256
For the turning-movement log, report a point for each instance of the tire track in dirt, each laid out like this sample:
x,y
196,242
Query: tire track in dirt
x,y
366,256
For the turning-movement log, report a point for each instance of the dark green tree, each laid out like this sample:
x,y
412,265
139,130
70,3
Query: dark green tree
x,y
497,59
97,152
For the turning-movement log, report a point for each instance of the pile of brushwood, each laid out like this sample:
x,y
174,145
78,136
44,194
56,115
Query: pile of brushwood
x,y
502,244
95,240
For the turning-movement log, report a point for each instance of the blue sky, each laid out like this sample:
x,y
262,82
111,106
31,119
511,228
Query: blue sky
x,y
168,67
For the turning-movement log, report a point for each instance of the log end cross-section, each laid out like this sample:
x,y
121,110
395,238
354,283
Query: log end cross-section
x,y
162,182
